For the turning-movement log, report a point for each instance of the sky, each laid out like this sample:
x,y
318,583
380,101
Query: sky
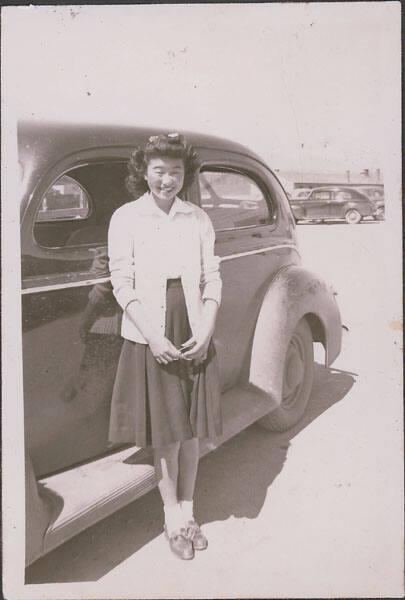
x,y
307,86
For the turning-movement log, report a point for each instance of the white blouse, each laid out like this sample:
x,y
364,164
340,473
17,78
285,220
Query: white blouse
x,y
171,251
146,247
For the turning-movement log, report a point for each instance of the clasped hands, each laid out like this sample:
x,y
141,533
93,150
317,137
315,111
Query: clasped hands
x,y
194,349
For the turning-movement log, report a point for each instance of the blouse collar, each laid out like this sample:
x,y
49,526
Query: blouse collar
x,y
148,206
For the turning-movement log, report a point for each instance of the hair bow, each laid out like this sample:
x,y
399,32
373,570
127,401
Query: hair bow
x,y
171,138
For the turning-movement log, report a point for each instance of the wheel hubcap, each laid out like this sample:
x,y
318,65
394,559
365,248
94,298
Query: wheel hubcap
x,y
352,217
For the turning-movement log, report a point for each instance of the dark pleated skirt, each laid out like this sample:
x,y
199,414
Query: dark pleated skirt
x,y
155,405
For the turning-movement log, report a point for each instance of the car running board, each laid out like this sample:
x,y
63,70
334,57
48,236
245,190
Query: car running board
x,y
95,490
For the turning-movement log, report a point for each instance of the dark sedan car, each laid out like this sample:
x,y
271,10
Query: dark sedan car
x,y
272,311
336,203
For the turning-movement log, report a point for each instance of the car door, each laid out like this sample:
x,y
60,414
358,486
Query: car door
x,y
317,205
339,201
71,322
254,239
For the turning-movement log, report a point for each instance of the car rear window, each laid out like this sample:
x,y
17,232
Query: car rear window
x,y
64,200
77,208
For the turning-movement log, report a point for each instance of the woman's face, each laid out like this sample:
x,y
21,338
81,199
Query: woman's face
x,y
165,177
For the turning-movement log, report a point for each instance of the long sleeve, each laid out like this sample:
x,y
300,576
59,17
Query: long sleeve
x,y
121,259
100,292
210,274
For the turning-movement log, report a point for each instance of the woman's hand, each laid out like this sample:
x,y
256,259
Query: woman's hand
x,y
198,348
163,350
199,343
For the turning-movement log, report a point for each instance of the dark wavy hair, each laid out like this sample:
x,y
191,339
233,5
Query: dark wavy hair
x,y
170,145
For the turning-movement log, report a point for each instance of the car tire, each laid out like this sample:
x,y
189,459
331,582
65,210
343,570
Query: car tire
x,y
297,381
352,216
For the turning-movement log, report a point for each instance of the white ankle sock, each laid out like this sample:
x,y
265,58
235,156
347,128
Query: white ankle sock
x,y
174,519
187,510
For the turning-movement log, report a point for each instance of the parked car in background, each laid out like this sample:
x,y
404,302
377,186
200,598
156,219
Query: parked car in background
x,y
335,203
300,193
273,310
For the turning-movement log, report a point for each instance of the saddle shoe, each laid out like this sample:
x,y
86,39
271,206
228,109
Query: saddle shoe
x,y
196,536
180,544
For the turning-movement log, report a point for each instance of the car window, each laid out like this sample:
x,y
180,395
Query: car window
x,y
344,196
65,199
321,195
76,209
232,199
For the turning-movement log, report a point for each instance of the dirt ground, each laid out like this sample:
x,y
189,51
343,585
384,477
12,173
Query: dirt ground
x,y
313,512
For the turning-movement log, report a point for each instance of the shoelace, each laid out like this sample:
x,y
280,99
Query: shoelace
x,y
192,530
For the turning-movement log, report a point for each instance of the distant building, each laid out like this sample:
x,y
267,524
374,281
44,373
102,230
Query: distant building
x,y
309,179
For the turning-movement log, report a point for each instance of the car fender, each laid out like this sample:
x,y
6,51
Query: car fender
x,y
363,209
293,294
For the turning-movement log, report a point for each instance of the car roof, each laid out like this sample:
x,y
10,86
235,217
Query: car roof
x,y
53,140
335,188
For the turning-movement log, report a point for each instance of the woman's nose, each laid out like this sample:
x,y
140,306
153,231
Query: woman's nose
x,y
166,178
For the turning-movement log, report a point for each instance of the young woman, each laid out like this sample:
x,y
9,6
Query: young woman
x,y
166,278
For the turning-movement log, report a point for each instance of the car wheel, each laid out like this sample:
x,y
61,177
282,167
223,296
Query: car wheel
x,y
353,217
297,381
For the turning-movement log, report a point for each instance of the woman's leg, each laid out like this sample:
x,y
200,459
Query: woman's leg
x,y
188,465
167,470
